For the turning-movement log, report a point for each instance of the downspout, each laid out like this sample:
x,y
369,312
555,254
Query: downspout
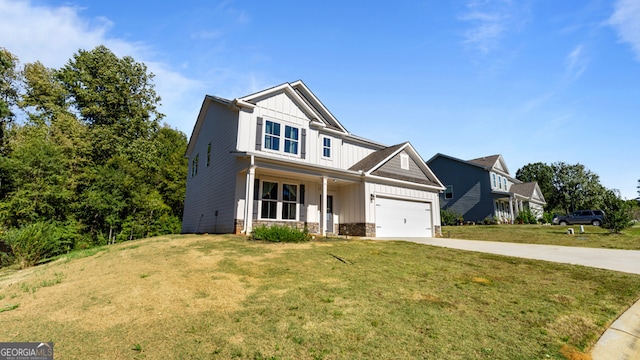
x,y
248,196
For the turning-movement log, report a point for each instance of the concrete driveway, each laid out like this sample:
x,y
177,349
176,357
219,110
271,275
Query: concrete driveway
x,y
611,259
621,341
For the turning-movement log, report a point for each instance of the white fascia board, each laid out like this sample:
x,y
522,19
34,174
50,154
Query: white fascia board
x,y
301,85
380,179
380,163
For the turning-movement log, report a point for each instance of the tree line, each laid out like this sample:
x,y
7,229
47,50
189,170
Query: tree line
x,y
84,158
567,188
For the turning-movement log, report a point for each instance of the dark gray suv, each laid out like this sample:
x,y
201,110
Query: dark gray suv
x,y
585,217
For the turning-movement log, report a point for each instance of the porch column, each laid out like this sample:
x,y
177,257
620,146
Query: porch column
x,y
323,210
248,199
511,209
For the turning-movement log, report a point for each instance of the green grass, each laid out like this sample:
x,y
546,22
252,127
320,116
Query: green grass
x,y
594,236
224,297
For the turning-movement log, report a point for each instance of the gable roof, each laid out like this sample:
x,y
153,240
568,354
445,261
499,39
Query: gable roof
x,y
307,101
488,163
530,190
371,163
492,162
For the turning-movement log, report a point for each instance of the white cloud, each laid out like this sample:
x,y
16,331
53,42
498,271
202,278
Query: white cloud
x,y
626,20
576,63
490,21
54,34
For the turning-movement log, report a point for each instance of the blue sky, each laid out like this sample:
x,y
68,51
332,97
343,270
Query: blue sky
x,y
535,81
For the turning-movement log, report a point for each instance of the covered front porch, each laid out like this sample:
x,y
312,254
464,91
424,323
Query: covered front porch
x,y
507,206
321,201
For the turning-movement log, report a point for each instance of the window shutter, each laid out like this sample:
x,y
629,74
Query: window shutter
x,y
259,134
303,144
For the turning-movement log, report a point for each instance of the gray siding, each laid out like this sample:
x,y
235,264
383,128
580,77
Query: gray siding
x,y
211,189
472,197
393,169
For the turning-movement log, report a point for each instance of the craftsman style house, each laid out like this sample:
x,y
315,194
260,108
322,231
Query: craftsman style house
x,y
482,188
280,157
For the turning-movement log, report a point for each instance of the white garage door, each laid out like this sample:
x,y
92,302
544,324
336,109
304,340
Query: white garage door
x,y
402,218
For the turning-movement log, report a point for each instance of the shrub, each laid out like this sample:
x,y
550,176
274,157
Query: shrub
x,y
526,217
280,233
450,217
490,220
547,217
35,242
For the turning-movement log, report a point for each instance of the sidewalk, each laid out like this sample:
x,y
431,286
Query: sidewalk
x,y
621,341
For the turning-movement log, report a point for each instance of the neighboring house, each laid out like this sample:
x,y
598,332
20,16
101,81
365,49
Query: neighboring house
x,y
297,165
482,188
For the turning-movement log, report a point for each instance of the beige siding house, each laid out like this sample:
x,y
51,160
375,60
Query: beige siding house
x,y
280,157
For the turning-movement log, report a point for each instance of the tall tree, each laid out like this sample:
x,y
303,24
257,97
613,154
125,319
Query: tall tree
x,y
576,187
9,78
114,96
543,175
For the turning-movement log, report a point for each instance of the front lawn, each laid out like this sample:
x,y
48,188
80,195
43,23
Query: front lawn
x,y
225,297
593,236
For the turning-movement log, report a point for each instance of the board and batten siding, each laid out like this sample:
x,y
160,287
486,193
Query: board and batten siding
x,y
401,193
208,191
352,202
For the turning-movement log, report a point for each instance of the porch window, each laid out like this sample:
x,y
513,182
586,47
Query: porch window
x,y
290,139
272,135
448,193
289,199
326,147
269,200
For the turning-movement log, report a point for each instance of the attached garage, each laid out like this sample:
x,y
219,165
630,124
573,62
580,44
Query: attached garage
x,y
403,218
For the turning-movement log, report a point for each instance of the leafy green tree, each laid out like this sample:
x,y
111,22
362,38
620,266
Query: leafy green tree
x,y
90,160
543,175
576,187
114,96
9,79
617,212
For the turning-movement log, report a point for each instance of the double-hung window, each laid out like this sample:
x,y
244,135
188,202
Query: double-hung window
x,y
290,139
500,182
289,201
326,147
505,183
448,193
272,136
269,200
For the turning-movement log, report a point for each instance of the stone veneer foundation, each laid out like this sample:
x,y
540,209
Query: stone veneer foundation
x,y
358,229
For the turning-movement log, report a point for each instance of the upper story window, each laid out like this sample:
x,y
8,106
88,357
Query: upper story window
x,y
404,161
272,136
326,147
287,139
290,139
194,166
499,181
208,154
494,180
448,193
504,180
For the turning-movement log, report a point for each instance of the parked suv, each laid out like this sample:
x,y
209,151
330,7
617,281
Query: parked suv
x,y
593,217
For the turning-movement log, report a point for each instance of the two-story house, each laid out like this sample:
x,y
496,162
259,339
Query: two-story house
x,y
482,188
280,157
